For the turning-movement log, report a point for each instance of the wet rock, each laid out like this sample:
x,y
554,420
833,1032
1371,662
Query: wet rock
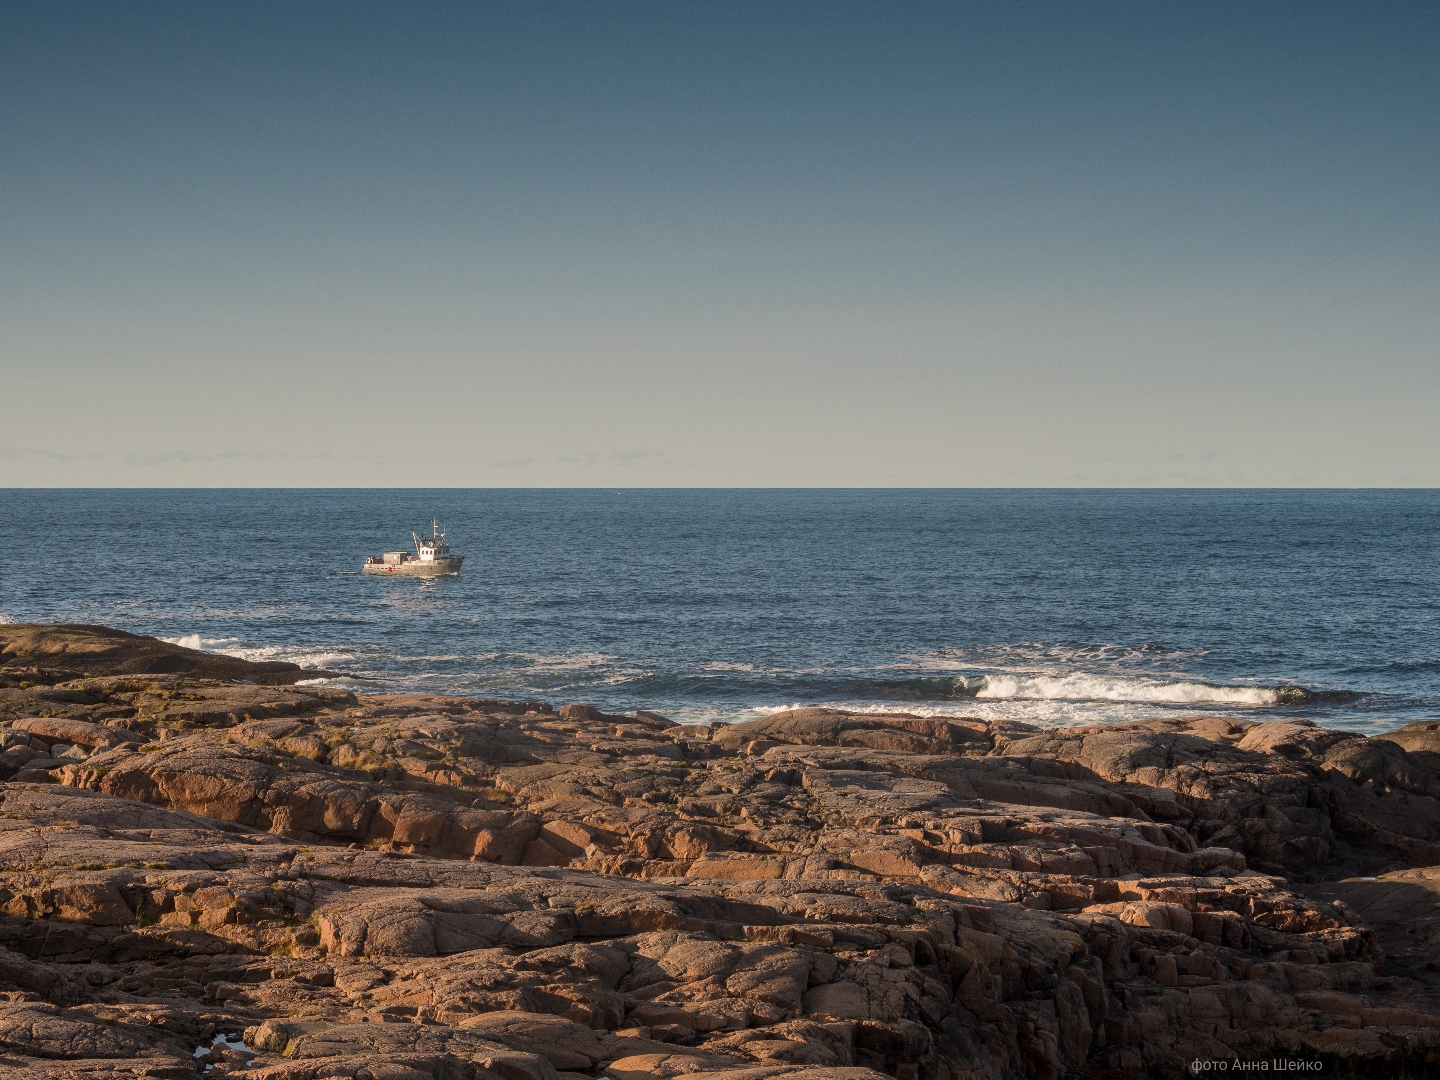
x,y
101,650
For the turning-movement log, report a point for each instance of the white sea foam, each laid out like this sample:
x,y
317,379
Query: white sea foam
x,y
1028,657
305,656
580,661
1084,687
1041,712
198,643
1058,700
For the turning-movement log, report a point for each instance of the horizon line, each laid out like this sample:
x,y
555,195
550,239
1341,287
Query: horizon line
x,y
717,487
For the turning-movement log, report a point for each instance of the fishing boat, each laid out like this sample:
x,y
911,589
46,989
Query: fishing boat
x,y
432,558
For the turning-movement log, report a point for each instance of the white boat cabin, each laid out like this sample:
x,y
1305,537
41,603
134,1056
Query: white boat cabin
x,y
431,548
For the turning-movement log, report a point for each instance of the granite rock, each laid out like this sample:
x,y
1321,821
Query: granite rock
x,y
415,886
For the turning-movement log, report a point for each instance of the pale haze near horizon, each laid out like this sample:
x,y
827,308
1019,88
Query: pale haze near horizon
x,y
749,245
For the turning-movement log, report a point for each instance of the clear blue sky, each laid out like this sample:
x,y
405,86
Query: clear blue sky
x,y
719,244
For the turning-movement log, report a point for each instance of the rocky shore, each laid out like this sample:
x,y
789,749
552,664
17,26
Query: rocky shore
x,y
297,882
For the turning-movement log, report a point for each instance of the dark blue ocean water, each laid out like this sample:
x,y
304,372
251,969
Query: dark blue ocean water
x,y
1047,606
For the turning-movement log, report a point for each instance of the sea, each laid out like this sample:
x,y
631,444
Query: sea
x,y
1051,607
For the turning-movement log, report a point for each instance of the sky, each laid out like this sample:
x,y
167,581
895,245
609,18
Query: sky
x,y
689,244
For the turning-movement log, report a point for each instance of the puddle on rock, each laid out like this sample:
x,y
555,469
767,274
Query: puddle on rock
x,y
224,1041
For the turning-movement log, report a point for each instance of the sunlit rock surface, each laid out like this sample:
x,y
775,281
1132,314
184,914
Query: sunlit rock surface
x,y
423,887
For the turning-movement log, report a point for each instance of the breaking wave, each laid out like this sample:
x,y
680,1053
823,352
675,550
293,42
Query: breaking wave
x,y
198,643
1119,688
312,656
1028,657
305,656
1080,687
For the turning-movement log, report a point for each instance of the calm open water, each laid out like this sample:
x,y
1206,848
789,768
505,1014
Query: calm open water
x,y
1053,607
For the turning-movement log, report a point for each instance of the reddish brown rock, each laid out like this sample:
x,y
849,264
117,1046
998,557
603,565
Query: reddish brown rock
x,y
51,653
428,887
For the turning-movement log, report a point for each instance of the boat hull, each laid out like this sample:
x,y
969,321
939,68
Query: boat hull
x,y
415,568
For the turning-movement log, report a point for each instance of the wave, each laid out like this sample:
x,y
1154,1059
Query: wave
x,y
731,686
921,688
1082,686
556,662
198,643
304,656
1027,657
